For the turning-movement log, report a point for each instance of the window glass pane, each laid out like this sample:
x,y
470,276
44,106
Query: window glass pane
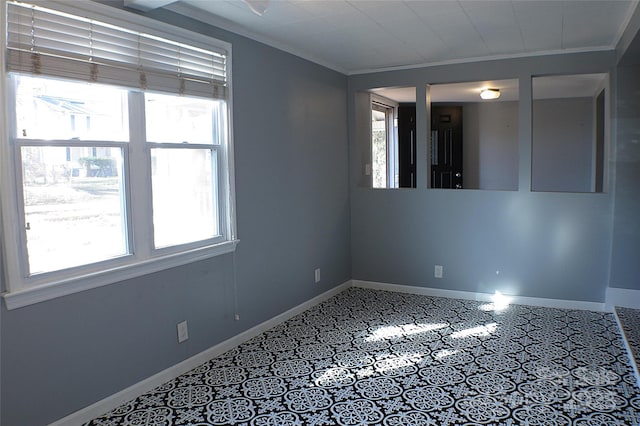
x,y
53,109
185,207
74,206
379,146
179,119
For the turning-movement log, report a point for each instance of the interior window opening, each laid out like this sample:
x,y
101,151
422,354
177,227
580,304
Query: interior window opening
x,y
569,133
473,142
393,137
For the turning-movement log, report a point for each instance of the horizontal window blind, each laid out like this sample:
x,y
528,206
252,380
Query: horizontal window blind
x,y
49,42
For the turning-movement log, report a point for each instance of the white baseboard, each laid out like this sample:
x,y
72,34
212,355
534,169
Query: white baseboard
x,y
622,297
103,406
483,297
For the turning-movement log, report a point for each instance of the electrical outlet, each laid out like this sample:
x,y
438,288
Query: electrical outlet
x,y
237,317
183,332
437,271
317,275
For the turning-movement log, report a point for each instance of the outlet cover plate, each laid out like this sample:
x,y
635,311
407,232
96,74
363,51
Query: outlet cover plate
x,y
183,332
437,271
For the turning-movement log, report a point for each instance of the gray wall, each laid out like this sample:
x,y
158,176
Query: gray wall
x,y
552,245
625,268
490,145
543,244
362,122
290,123
563,145
625,265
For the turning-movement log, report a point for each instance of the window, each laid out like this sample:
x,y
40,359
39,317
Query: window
x,y
117,148
385,120
384,146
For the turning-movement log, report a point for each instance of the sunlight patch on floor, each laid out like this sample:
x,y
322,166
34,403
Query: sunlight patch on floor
x,y
395,331
445,353
479,331
499,303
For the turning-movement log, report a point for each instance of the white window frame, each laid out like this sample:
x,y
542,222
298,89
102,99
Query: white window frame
x,y
21,290
391,124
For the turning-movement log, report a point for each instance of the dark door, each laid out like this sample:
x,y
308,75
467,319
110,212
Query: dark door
x,y
446,147
407,145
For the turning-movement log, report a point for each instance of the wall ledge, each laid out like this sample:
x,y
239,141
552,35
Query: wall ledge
x,y
75,284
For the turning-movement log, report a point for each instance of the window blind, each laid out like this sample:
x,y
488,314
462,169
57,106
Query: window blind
x,y
49,42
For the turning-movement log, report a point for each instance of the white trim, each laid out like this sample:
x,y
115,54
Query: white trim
x,y
105,405
484,297
10,241
218,22
146,5
486,58
623,297
381,100
225,24
52,290
625,23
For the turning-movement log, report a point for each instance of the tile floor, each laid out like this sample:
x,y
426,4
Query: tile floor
x,y
630,320
368,357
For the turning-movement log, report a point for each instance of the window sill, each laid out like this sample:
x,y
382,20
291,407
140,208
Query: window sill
x,y
52,290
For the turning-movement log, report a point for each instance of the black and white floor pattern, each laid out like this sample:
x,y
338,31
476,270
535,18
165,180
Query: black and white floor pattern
x,y
630,321
368,357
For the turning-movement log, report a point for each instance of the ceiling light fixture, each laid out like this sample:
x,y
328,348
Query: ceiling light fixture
x,y
490,93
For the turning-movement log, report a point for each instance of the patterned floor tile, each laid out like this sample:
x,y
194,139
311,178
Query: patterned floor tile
x,y
630,321
368,357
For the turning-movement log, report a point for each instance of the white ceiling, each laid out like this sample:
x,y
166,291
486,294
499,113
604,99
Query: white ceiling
x,y
355,36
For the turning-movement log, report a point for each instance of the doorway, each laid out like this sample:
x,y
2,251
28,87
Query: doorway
x,y
407,145
446,147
